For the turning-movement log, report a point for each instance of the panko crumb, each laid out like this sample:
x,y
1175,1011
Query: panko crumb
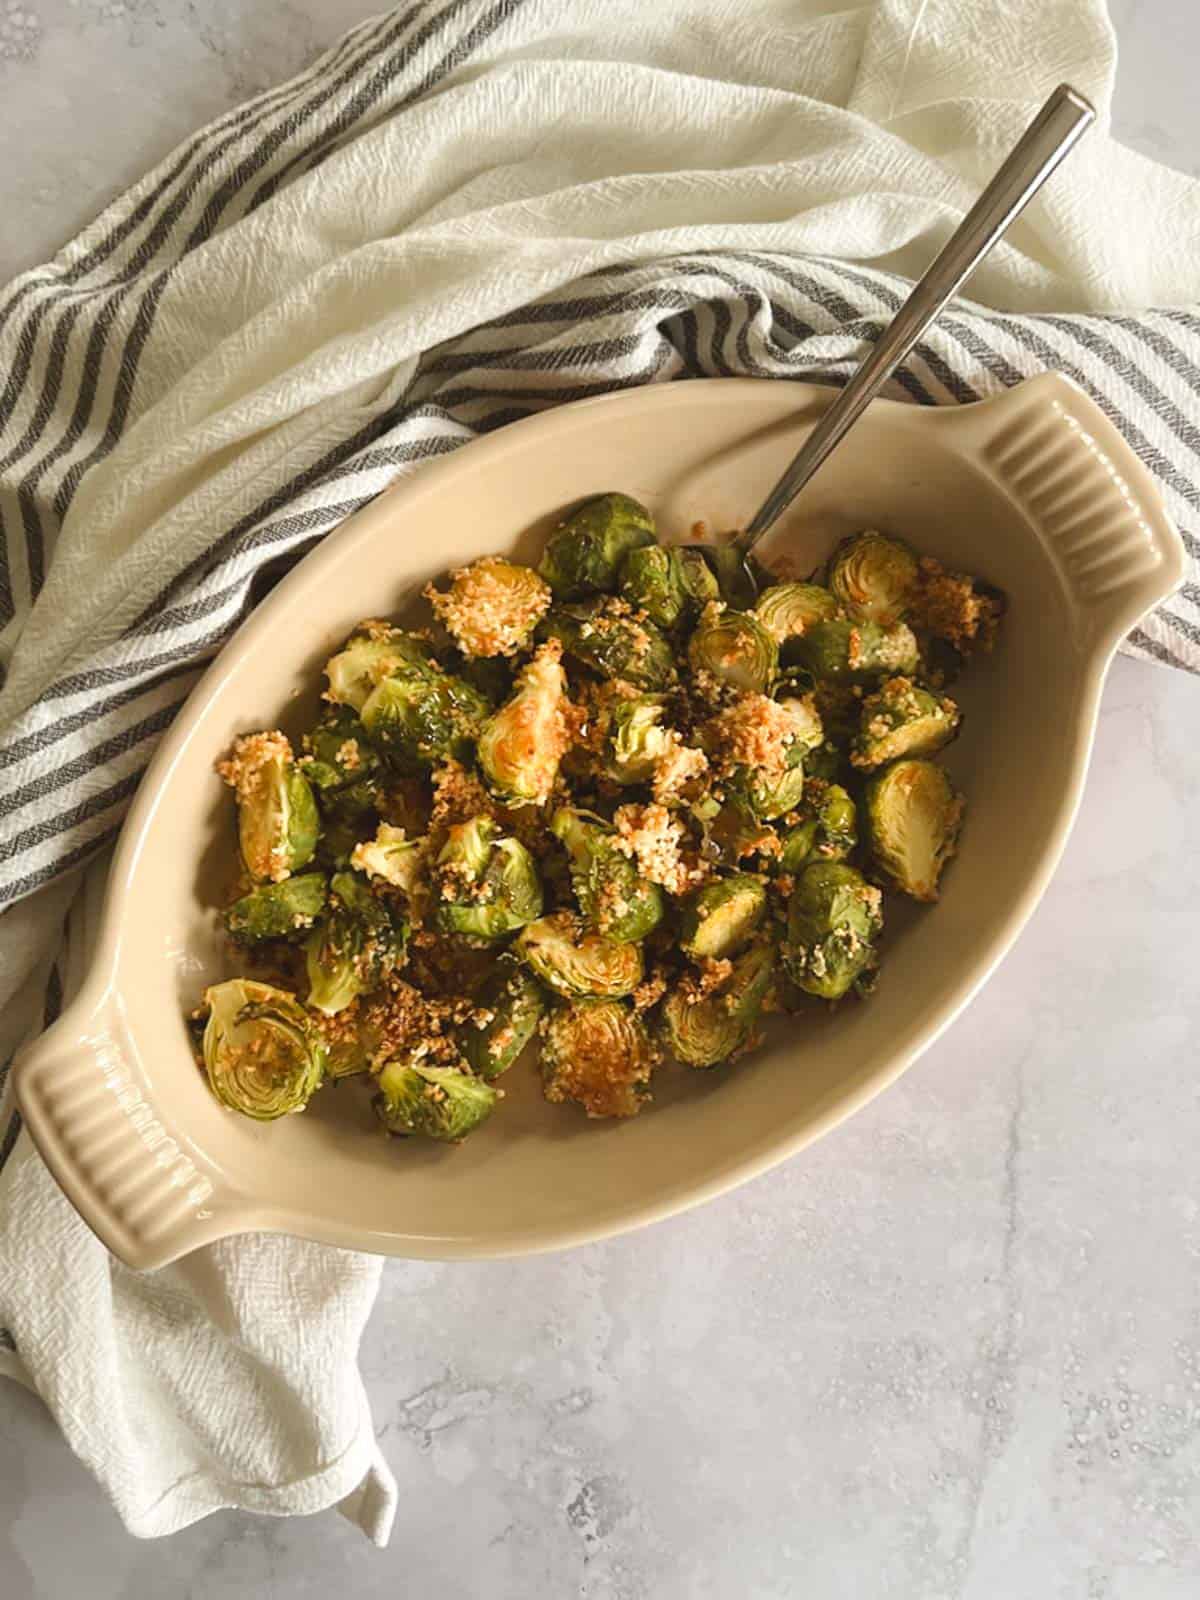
x,y
653,837
756,732
650,991
492,606
458,796
677,769
948,606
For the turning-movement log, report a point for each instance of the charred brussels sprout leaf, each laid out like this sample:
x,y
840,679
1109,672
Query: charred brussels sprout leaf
x,y
262,1055
434,1102
584,553
373,652
521,745
608,638
874,577
277,910
638,738
900,719
829,831
492,607
913,815
834,917
358,942
703,1031
598,1053
856,652
516,1004
788,610
734,648
418,717
485,885
577,963
722,917
338,752
612,894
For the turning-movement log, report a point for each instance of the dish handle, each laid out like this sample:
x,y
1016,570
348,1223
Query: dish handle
x,y
87,1105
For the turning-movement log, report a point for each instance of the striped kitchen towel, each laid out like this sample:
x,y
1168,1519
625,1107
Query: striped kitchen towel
x,y
468,211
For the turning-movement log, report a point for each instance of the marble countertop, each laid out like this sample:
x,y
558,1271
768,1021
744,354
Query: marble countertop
x,y
950,1353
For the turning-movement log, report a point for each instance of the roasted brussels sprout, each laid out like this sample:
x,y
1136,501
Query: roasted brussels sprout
x,y
900,719
598,1053
358,942
834,916
418,717
262,1055
722,917
436,1102
515,1003
485,885
913,815
874,577
578,963
606,636
521,745
350,1050
611,893
786,610
346,816
829,831
703,1029
492,608
771,798
277,910
277,815
734,648
490,676
856,652
638,738
374,651
584,553
338,751
670,585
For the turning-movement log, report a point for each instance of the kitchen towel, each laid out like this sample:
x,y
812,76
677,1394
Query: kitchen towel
x,y
466,212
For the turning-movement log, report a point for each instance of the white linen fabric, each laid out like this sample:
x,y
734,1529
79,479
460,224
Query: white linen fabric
x,y
463,213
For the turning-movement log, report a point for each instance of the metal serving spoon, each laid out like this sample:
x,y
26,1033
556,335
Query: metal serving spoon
x,y
1065,116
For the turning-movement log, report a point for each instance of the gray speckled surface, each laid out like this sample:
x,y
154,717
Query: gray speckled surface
x,y
952,1351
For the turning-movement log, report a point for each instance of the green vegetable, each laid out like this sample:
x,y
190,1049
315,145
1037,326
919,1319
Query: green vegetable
x,y
828,832
913,816
734,648
373,652
434,1102
704,1032
520,746
598,1053
516,1003
583,555
900,719
339,752
856,652
492,608
874,577
722,917
670,585
578,963
393,858
359,941
277,910
485,885
418,717
277,815
262,1056
606,636
786,610
638,738
834,917
612,894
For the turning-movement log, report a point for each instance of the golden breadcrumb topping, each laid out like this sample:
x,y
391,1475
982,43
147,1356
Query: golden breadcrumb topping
x,y
654,838
756,732
492,606
241,769
948,605
677,770
602,1074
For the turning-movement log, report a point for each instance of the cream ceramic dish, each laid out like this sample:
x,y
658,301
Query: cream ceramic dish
x,y
1035,490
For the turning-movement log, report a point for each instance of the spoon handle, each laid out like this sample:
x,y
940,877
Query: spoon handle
x,y
1065,116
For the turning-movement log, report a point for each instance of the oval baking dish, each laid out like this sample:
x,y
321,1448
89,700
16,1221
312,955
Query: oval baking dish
x,y
1035,490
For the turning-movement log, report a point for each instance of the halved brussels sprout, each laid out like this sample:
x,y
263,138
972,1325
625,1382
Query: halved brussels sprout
x,y
493,606
277,910
786,610
351,1050
521,745
584,553
829,831
338,751
598,1053
278,822
374,651
360,940
900,719
418,717
856,652
516,1004
606,636
702,1030
834,916
612,895
734,648
577,963
874,577
913,815
262,1055
485,885
722,917
436,1102
638,738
